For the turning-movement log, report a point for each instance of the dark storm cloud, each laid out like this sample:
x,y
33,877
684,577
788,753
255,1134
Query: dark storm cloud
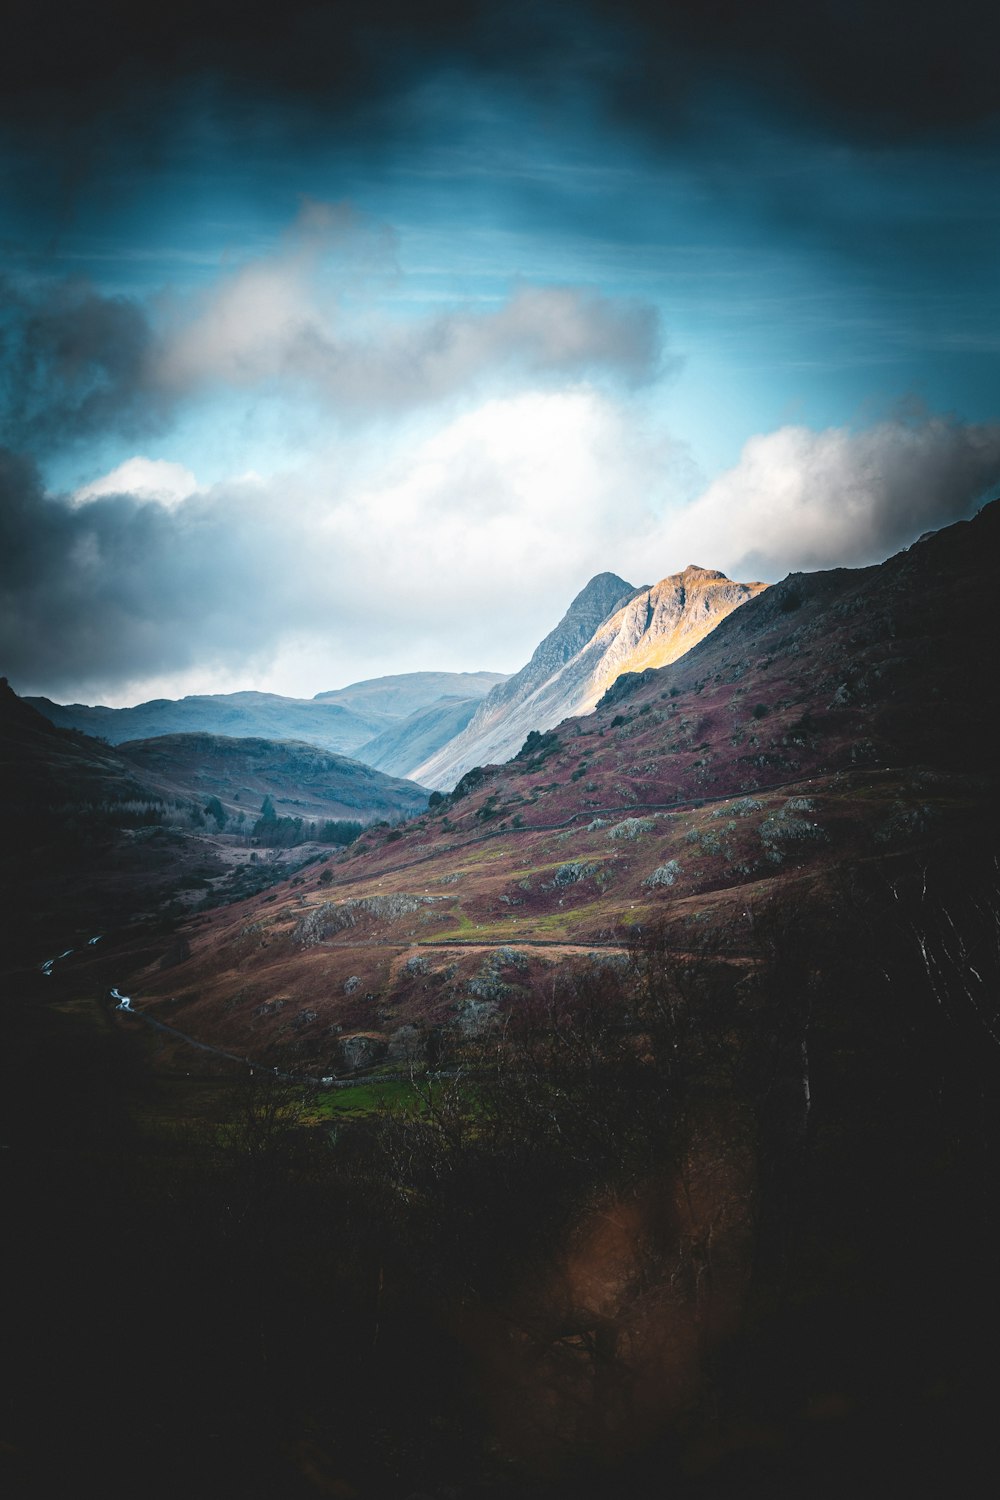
x,y
117,588
74,363
875,68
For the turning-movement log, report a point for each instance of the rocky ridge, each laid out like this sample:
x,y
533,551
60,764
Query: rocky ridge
x,y
644,628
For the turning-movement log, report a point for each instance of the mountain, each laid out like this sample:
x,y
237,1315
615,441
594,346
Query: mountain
x,y
410,692
334,727
837,725
702,1159
411,741
342,722
631,629
85,846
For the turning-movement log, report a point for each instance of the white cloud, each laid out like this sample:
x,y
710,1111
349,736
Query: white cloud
x,y
800,500
294,319
463,545
459,548
144,479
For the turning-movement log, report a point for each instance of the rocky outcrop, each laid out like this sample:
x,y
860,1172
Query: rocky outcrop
x,y
572,670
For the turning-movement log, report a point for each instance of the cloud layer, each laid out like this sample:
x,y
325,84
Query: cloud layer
x,y
878,70
459,551
76,363
464,546
800,500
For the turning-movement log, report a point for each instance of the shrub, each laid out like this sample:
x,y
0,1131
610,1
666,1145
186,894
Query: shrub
x,y
630,828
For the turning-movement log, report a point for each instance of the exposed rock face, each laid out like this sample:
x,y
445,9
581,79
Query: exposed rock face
x,y
655,628
573,668
324,922
496,722
362,1051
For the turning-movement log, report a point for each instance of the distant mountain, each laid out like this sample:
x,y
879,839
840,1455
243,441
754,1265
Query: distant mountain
x,y
413,740
341,722
410,692
333,726
610,628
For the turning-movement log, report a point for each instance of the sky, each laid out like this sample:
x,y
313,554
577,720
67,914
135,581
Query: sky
x,y
344,340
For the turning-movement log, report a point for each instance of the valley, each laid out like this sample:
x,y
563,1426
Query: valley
x,y
499,778
639,1090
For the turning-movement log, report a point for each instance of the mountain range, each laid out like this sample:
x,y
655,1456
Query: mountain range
x,y
430,727
658,1058
343,721
96,834
835,722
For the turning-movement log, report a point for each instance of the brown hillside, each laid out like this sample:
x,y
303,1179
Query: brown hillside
x,y
838,718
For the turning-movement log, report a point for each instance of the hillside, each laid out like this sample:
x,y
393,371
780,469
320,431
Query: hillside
x,y
301,780
86,844
97,836
641,1094
839,721
570,671
411,741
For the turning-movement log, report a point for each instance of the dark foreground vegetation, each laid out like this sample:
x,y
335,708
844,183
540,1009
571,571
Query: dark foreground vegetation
x,y
690,1226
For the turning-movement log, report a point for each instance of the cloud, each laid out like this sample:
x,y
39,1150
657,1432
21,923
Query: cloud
x,y
299,321
142,479
802,500
466,545
877,71
457,550
282,318
74,363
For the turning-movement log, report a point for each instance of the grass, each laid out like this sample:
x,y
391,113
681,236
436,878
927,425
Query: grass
x,y
456,924
361,1099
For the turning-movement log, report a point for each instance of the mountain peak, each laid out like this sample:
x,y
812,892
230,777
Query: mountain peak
x,y
602,584
609,628
596,602
694,571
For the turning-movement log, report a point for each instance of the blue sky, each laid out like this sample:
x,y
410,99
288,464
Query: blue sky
x,y
318,369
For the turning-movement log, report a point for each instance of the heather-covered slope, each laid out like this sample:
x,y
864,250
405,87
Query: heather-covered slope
x,y
651,628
